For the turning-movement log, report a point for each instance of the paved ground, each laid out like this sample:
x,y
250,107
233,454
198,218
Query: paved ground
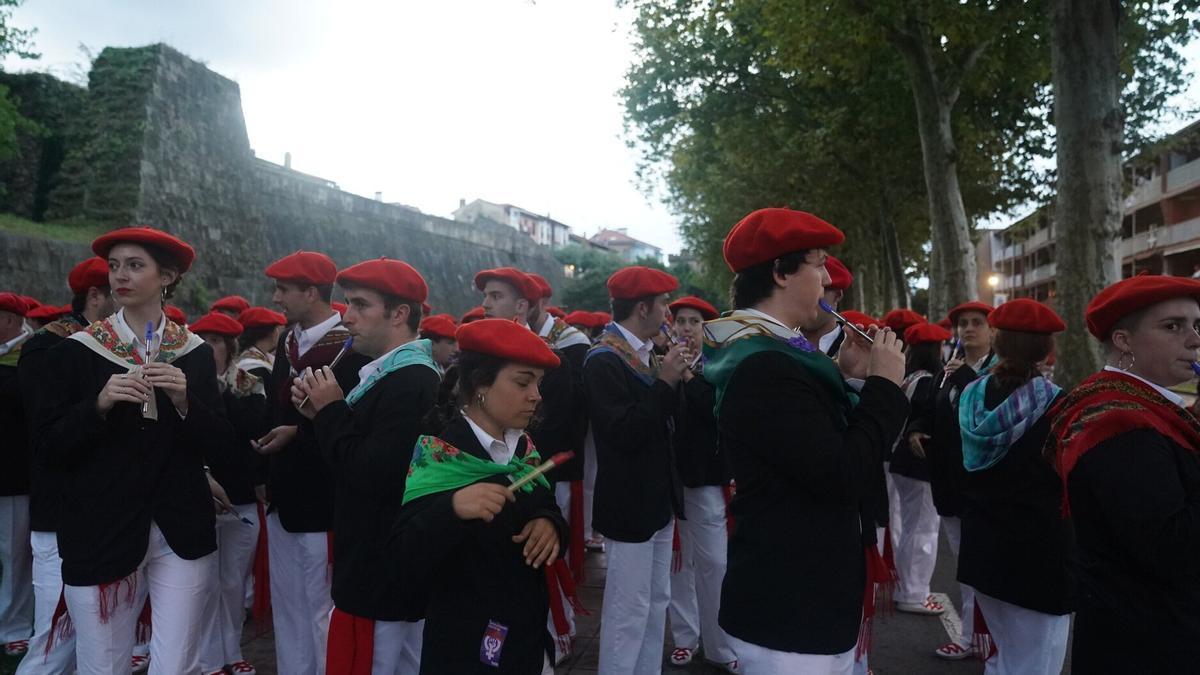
x,y
904,643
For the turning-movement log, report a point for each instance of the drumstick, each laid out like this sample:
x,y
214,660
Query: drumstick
x,y
345,348
953,352
557,460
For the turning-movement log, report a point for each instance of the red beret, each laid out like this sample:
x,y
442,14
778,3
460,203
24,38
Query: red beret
x,y
514,277
555,312
89,273
306,267
31,303
767,234
923,333
387,276
473,315
48,312
900,319
1026,315
11,302
839,276
507,340
231,303
1130,295
339,307
542,284
972,306
707,311
602,319
581,318
638,282
176,248
426,309
175,314
945,323
438,326
260,317
858,318
216,323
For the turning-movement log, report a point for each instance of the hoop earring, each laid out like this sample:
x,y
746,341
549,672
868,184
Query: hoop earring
x,y
163,296
1132,360
480,400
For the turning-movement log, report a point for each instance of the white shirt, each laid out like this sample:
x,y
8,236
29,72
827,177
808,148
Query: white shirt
x,y
137,337
826,341
307,337
500,451
1167,393
643,349
374,366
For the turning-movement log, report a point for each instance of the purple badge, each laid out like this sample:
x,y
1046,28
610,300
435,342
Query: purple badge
x,y
493,644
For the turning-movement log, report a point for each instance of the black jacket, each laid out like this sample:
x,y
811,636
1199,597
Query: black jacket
x,y
943,452
122,471
45,482
637,488
235,464
796,568
1135,502
698,455
1016,545
472,573
14,479
903,461
369,446
572,409
300,483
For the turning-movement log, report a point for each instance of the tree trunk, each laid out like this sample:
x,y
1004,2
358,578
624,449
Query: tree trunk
x,y
1090,126
894,264
949,231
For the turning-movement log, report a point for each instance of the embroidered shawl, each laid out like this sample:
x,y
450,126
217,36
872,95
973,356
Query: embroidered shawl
x,y
1105,405
103,338
563,335
611,341
438,466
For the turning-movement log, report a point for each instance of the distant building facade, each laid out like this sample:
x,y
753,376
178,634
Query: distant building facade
x,y
629,248
1160,230
542,229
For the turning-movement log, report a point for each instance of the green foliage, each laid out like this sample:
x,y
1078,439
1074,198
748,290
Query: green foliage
x,y
19,42
80,232
740,105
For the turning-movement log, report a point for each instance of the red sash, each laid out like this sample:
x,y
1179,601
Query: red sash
x,y
351,644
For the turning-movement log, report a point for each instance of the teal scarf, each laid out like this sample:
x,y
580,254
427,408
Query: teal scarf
x,y
415,353
988,434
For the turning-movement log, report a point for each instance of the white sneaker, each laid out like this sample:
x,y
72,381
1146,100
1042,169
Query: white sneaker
x,y
681,656
952,651
930,607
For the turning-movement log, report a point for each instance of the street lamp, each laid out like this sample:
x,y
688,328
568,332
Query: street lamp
x,y
993,280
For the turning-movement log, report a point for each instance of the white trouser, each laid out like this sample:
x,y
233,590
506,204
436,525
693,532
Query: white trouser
x,y
636,594
756,660
696,587
1027,642
177,590
221,635
47,588
397,647
16,570
589,483
562,496
916,548
300,600
954,537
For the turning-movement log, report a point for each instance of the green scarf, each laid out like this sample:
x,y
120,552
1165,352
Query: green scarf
x,y
438,466
415,353
731,339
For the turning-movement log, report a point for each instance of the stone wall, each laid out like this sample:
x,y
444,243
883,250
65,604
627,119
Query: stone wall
x,y
193,173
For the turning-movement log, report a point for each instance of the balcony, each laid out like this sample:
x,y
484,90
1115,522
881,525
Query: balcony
x,y
1040,274
1185,176
1146,193
1164,237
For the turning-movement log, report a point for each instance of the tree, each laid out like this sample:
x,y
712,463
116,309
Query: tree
x,y
19,42
1099,52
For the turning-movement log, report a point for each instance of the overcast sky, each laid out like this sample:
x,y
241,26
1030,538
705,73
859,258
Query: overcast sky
x,y
425,101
